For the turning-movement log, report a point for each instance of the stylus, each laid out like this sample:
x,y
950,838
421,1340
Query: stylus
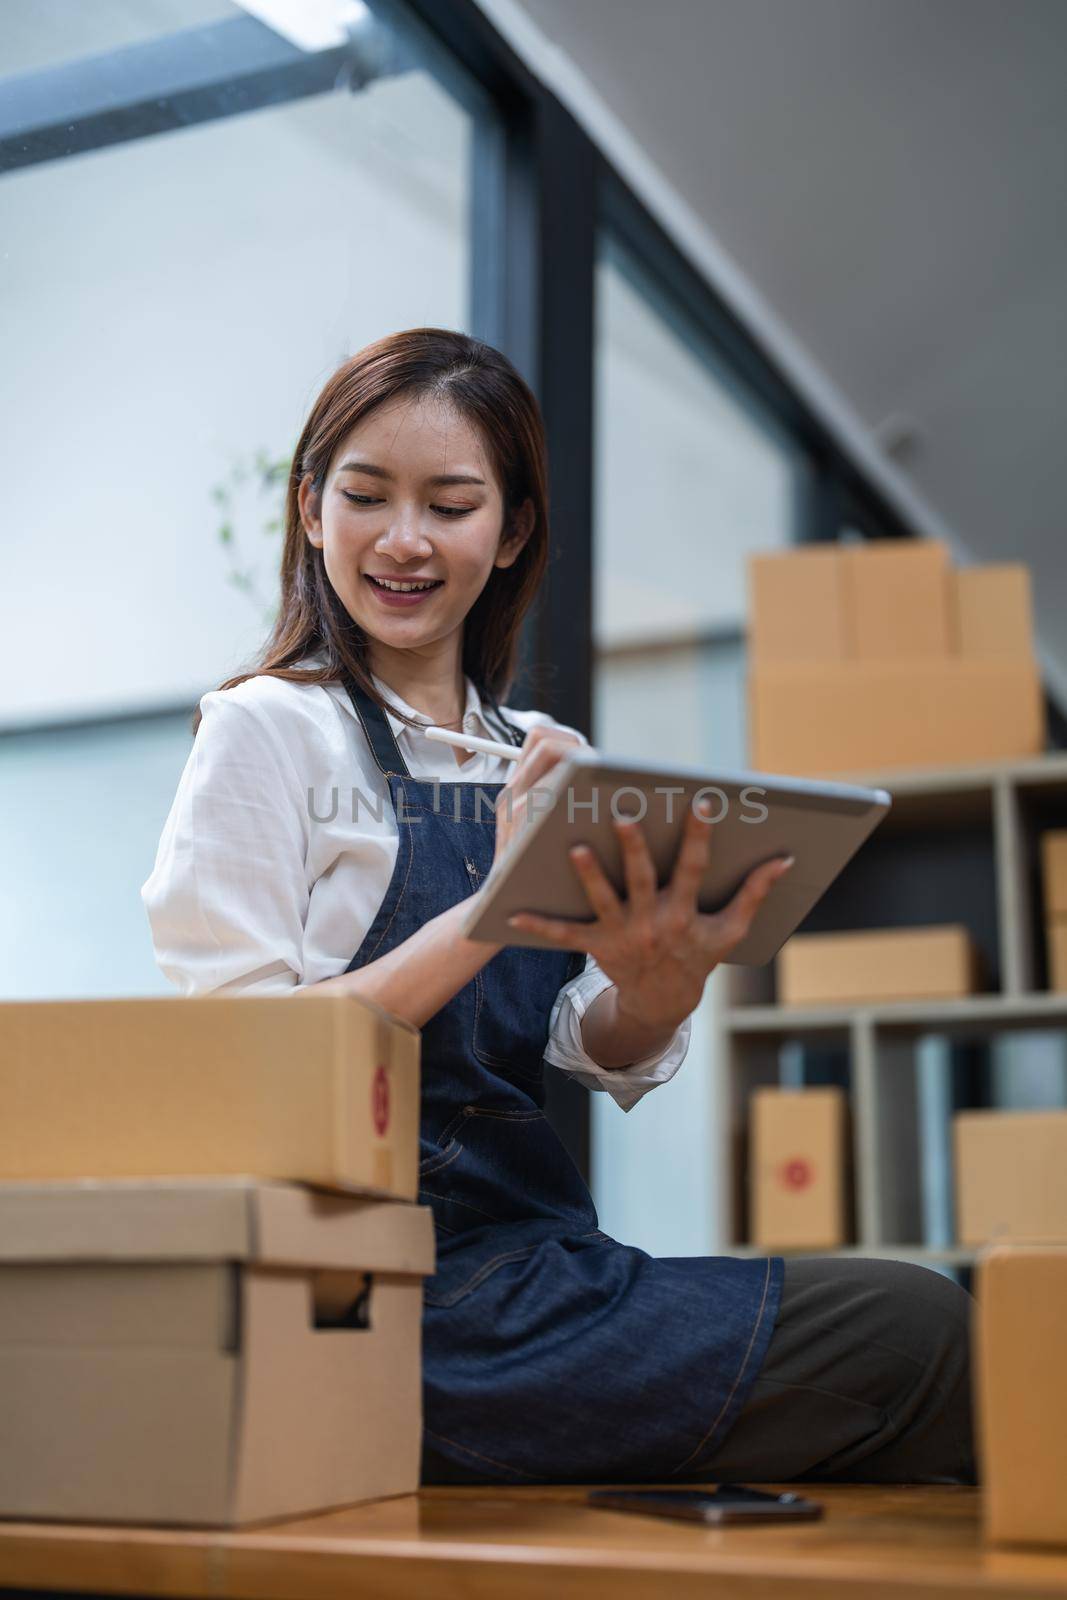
x,y
468,741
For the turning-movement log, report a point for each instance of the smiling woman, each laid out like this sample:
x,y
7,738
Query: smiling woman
x,y
551,1351
401,477
377,546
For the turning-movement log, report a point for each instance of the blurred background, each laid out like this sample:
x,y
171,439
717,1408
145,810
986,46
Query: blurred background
x,y
786,272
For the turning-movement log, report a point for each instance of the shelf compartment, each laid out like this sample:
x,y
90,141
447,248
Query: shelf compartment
x,y
760,1063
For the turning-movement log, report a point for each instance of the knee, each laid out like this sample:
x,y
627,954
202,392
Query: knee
x,y
926,1319
927,1300
921,1315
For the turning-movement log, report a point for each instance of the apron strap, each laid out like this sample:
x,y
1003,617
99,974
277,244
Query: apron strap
x,y
381,739
384,747
512,735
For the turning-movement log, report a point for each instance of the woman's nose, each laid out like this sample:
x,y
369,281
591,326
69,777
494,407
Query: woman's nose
x,y
403,540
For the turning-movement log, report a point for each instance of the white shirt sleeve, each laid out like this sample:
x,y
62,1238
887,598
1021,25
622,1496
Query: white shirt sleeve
x,y
565,1049
228,895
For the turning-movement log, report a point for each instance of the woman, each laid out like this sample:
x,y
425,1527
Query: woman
x,y
319,842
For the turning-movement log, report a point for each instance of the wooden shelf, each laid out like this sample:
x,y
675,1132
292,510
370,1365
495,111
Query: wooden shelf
x,y
960,844
972,1015
1046,769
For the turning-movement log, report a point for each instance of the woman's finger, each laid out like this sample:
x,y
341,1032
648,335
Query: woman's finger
x,y
538,757
598,890
637,865
738,913
693,856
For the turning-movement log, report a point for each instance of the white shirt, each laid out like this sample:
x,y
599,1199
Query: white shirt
x,y
251,892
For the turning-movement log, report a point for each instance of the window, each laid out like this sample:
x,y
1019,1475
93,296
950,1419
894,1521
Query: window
x,y
204,215
692,475
171,303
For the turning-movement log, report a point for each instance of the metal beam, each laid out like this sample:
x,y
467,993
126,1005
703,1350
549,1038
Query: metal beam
x,y
176,81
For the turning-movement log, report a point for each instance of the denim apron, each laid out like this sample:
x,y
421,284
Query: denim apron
x,y
551,1352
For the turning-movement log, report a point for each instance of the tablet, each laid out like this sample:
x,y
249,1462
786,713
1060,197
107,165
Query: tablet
x,y
756,815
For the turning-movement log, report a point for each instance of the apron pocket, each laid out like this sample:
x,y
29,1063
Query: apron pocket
x,y
454,1280
500,1164
440,1158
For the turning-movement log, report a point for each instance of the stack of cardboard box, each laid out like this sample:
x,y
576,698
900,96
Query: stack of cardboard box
x,y
211,1261
868,657
1054,890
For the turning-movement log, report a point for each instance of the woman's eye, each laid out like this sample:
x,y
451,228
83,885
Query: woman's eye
x,y
449,512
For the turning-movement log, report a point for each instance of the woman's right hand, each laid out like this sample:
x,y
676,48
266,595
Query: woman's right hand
x,y
516,808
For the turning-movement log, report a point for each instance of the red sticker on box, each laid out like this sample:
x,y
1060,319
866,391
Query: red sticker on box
x,y
379,1100
797,1174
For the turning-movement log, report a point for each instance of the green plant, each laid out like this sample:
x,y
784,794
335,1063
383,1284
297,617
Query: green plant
x,y
250,490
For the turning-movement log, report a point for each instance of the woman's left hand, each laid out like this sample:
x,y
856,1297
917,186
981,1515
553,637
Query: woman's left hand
x,y
655,945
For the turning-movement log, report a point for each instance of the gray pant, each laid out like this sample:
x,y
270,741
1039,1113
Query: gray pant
x,y
866,1380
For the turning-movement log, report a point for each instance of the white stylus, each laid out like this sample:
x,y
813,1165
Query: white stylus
x,y
468,741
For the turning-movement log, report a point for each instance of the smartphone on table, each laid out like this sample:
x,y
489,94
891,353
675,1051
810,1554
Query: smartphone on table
x,y
729,1503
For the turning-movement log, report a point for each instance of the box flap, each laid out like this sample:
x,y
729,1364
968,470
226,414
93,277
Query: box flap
x,y
294,1224
211,1219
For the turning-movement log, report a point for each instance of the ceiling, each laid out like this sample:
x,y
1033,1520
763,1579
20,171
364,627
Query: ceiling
x,y
891,177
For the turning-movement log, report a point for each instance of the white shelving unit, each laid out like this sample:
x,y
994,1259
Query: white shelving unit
x,y
960,845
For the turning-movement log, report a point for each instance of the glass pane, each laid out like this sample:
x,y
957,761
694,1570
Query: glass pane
x,y
83,812
690,478
169,307
170,303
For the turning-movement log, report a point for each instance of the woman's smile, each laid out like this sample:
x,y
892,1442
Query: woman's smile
x,y
401,598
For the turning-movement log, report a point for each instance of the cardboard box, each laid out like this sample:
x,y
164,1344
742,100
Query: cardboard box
x,y
1056,951
796,605
1021,1393
877,964
1011,1176
992,612
871,717
798,1168
1054,873
896,595
323,1089
209,1351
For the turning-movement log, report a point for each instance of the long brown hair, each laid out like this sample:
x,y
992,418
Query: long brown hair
x,y
485,388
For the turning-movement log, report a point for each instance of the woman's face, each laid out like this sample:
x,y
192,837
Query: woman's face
x,y
410,495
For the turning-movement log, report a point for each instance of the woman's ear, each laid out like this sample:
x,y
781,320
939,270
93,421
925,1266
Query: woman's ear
x,y
306,500
515,534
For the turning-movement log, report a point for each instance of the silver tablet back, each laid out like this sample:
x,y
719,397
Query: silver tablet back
x,y
755,816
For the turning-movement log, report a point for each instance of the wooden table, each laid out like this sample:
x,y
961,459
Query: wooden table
x,y
905,1543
